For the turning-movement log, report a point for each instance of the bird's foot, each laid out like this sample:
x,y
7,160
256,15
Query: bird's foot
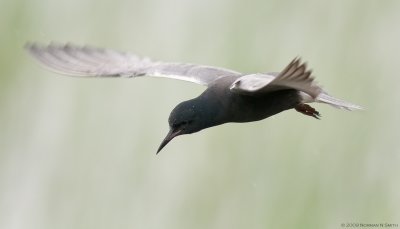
x,y
307,110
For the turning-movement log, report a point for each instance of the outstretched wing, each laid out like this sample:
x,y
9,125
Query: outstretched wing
x,y
96,62
295,76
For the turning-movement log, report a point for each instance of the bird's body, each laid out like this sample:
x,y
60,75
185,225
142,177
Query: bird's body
x,y
234,107
218,104
230,96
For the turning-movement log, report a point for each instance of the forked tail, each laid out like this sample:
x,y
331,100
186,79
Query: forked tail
x,y
325,98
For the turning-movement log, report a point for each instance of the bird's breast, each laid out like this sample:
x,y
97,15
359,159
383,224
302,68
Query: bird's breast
x,y
246,108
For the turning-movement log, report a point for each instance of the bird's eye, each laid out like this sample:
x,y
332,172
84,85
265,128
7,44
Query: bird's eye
x,y
178,125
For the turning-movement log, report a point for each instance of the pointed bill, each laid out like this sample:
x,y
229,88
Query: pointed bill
x,y
171,134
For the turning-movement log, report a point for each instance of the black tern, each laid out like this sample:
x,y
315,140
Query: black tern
x,y
230,96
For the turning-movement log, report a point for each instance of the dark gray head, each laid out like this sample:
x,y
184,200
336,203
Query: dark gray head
x,y
185,118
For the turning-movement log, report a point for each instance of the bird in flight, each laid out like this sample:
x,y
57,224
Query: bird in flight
x,y
230,96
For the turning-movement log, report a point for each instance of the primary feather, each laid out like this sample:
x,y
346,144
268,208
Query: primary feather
x,y
89,61
295,76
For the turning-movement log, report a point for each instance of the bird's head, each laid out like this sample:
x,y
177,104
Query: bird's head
x,y
184,119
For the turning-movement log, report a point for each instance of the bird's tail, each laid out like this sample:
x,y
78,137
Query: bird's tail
x,y
338,103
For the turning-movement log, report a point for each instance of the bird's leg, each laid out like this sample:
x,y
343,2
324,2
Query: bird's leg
x,y
307,110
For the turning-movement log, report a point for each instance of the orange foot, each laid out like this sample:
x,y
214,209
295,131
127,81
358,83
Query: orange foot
x,y
307,110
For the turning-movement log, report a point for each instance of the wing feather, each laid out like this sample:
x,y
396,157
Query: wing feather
x,y
89,61
295,75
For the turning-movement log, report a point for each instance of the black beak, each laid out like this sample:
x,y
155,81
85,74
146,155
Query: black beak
x,y
171,134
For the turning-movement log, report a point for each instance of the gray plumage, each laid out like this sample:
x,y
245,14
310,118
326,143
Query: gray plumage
x,y
230,96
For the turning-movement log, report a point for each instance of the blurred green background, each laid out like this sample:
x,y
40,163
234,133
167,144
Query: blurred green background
x,y
80,153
